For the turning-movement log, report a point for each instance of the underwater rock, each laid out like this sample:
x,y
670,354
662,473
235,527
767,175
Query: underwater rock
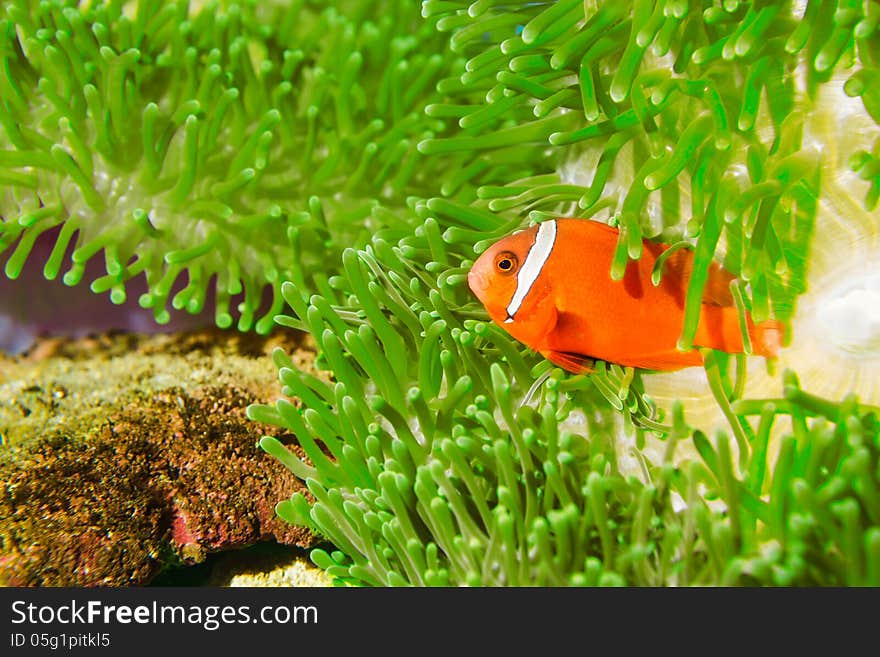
x,y
124,454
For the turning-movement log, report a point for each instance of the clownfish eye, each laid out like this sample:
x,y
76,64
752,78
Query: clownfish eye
x,y
505,262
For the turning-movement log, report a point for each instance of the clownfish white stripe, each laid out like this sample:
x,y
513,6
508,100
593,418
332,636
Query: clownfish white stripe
x,y
536,257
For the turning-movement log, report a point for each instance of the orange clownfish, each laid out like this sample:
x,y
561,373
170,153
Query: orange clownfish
x,y
549,287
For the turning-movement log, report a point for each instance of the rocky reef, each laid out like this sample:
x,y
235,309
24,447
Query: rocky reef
x,y
128,454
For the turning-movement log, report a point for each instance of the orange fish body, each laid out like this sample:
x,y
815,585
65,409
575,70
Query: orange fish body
x,y
549,287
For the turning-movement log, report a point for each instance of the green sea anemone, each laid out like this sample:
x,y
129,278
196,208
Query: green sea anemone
x,y
356,159
229,146
700,126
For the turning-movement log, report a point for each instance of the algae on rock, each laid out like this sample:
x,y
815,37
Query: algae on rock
x,y
126,455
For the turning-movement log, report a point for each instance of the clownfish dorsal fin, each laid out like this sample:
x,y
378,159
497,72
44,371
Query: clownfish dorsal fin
x,y
570,361
716,292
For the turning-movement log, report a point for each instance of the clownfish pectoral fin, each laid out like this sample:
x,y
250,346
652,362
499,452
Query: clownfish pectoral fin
x,y
570,361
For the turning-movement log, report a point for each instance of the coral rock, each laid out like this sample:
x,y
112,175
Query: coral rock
x,y
145,460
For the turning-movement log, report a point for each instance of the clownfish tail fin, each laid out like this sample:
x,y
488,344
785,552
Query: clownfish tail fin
x,y
767,338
